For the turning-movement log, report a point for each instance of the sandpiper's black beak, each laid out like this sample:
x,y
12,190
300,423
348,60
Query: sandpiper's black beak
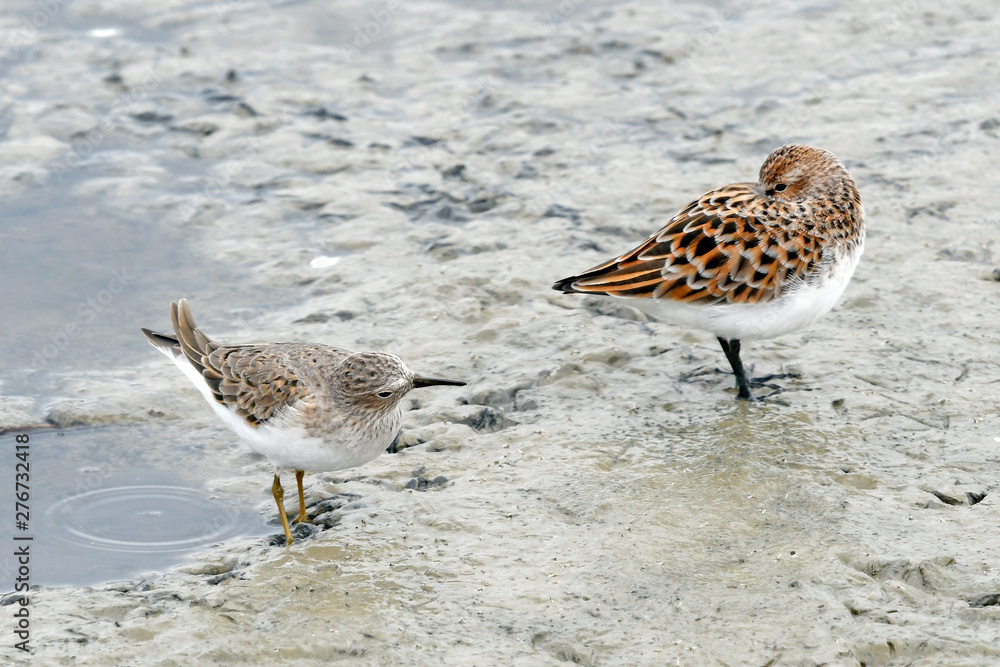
x,y
432,382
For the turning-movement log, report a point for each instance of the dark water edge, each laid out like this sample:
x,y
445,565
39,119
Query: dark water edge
x,y
103,509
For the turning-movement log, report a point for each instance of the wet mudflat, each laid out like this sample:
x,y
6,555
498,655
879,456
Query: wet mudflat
x,y
595,494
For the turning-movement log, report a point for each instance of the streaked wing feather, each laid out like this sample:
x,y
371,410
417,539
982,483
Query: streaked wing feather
x,y
248,378
719,249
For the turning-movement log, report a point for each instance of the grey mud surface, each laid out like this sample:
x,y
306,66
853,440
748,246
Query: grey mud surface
x,y
607,501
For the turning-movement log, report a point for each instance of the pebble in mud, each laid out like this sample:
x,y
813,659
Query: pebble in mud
x,y
323,515
418,482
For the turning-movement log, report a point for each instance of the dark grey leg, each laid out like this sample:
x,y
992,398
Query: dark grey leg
x,y
732,350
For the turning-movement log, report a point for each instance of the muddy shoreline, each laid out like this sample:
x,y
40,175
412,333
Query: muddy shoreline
x,y
595,495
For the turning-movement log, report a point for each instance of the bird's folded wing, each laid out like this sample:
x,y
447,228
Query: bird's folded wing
x,y
722,248
251,379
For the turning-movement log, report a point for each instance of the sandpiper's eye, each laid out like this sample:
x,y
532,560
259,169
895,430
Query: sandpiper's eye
x,y
384,394
780,187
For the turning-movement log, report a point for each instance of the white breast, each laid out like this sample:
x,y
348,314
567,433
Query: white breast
x,y
797,307
288,446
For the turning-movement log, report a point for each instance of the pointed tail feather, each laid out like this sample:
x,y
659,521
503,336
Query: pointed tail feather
x,y
195,345
165,343
566,285
188,341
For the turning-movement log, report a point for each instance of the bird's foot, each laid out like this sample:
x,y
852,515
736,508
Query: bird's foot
x,y
702,373
759,383
766,380
698,374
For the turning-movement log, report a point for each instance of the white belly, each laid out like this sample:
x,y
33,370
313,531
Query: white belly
x,y
795,309
289,447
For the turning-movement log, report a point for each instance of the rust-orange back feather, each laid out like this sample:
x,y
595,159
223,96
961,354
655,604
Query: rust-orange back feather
x,y
742,243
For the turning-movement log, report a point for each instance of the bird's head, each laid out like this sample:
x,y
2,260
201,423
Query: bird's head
x,y
379,380
796,172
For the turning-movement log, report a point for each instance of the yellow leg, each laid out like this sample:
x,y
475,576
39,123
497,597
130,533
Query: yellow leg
x,y
279,496
302,517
